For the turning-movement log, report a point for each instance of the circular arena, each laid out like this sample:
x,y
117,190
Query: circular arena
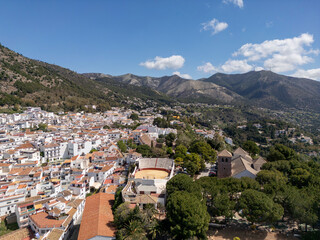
x,y
153,168
151,174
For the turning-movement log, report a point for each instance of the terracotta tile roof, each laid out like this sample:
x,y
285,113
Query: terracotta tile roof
x,y
106,168
25,145
69,218
22,186
5,164
43,220
55,234
225,153
14,171
96,154
56,211
11,151
74,158
145,139
112,189
239,165
51,145
108,181
97,217
66,193
75,203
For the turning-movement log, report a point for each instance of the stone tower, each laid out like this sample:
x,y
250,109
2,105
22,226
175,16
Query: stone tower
x,y
224,164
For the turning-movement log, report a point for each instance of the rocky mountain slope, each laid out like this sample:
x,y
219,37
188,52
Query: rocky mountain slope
x,y
271,90
28,82
260,89
176,87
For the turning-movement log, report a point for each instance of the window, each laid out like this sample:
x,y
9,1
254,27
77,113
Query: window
x,y
226,159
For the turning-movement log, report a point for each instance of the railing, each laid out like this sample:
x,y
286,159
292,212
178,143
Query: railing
x,y
26,211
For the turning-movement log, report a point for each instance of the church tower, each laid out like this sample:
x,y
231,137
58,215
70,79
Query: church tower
x,y
224,164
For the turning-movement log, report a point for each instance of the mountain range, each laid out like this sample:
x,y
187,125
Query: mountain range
x,y
29,82
257,88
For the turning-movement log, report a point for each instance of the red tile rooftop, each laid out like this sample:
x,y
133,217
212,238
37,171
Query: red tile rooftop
x,y
108,181
97,217
43,220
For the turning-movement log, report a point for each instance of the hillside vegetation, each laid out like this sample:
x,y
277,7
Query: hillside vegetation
x,y
27,82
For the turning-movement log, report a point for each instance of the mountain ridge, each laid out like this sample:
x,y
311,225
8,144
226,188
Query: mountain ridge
x,y
29,82
259,88
176,87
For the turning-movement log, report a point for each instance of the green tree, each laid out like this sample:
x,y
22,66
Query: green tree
x,y
43,127
117,199
170,151
183,139
178,161
193,163
251,147
161,122
145,150
187,215
134,116
131,144
249,183
180,151
217,142
258,207
122,146
268,177
170,139
204,149
300,177
182,182
132,230
281,152
305,209
223,206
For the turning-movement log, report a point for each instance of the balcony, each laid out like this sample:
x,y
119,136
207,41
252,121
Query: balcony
x,y
28,211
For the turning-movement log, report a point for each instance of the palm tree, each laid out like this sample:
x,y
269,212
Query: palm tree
x,y
133,231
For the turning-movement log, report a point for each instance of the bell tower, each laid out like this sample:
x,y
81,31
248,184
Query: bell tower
x,y
224,164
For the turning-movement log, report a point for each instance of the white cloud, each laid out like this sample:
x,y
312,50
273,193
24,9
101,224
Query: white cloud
x,y
207,68
186,76
228,67
280,55
277,55
310,73
160,63
214,25
236,66
258,69
238,3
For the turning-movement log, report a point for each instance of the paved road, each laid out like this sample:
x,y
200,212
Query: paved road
x,y
205,173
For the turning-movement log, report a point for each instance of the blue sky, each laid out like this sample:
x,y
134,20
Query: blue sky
x,y
193,38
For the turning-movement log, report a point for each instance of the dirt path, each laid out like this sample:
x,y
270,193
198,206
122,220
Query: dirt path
x,y
230,232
